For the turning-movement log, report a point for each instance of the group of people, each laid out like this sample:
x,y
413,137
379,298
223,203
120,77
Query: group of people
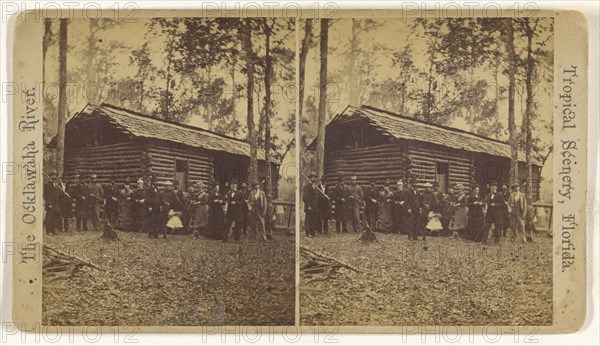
x,y
143,207
87,196
419,210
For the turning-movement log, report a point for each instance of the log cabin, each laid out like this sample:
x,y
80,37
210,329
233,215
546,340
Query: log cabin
x,y
116,143
371,143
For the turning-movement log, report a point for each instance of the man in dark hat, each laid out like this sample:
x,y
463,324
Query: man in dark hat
x,y
95,199
324,210
371,195
310,197
356,198
78,194
495,213
339,196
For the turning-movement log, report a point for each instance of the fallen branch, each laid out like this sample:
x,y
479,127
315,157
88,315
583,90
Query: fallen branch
x,y
50,252
323,259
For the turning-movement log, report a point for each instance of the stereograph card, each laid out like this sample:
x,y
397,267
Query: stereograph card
x,y
365,170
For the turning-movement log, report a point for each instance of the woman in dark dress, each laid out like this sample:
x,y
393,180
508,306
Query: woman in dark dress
x,y
216,214
476,218
125,205
385,221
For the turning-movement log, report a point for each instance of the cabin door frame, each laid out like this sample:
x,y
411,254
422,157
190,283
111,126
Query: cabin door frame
x,y
182,172
442,169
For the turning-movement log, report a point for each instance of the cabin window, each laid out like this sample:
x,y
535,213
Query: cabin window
x,y
181,174
441,175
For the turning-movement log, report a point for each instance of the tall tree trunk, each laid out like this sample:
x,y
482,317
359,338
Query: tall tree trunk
x,y
402,98
62,96
352,85
46,43
512,129
268,75
47,105
530,66
302,64
249,56
208,110
322,96
91,50
167,99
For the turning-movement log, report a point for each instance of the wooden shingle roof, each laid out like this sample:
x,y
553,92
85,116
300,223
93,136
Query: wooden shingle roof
x,y
400,127
144,126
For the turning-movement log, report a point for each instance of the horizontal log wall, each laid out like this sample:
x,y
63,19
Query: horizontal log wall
x,y
122,162
423,164
163,156
382,163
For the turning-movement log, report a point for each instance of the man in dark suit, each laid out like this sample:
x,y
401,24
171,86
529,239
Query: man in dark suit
x,y
339,196
111,208
412,209
439,196
356,198
153,204
65,204
495,213
246,222
95,198
78,194
324,209
506,194
179,198
51,204
371,195
310,197
235,212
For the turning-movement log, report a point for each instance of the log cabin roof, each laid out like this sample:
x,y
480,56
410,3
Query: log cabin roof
x,y
401,127
145,126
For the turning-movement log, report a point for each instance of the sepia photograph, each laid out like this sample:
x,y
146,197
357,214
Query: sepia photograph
x,y
426,160
164,198
299,174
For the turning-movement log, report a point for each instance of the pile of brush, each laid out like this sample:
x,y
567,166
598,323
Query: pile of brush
x,y
56,261
320,263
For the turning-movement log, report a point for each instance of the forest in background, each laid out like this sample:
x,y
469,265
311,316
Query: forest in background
x,y
196,71
490,76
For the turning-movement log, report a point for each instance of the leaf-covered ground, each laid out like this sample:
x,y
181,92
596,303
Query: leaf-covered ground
x,y
179,281
439,281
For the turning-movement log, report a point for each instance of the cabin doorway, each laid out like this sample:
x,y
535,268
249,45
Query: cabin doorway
x,y
181,174
441,175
